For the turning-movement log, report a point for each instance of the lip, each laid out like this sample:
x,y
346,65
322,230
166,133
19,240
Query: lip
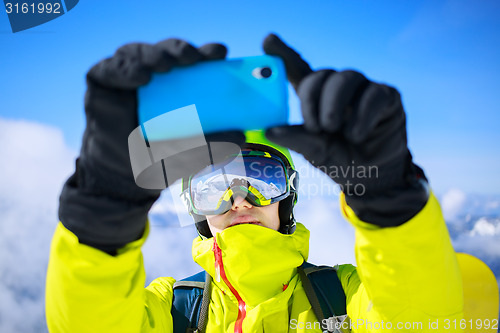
x,y
244,219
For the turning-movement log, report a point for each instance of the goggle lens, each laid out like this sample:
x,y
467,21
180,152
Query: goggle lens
x,y
260,179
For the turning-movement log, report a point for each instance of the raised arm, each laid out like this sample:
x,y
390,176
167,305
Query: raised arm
x,y
355,131
95,280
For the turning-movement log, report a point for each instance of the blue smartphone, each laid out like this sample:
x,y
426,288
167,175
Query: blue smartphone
x,y
234,94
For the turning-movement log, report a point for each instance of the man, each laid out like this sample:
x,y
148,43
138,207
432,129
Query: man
x,y
407,275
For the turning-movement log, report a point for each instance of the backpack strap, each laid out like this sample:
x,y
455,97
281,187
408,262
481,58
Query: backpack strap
x,y
205,302
190,303
326,295
321,285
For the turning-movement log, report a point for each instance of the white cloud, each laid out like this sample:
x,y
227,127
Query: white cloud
x,y
34,157
167,252
332,237
483,245
452,203
485,228
481,240
35,163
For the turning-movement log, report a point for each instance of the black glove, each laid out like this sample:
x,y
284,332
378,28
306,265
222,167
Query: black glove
x,y
355,131
100,202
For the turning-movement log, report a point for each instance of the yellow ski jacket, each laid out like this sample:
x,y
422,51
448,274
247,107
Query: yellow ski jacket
x,y
407,280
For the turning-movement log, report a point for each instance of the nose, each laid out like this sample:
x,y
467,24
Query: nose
x,y
240,202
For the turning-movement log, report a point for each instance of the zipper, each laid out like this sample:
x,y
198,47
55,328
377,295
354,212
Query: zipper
x,y
221,273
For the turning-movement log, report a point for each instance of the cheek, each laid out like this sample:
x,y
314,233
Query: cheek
x,y
272,216
215,223
215,220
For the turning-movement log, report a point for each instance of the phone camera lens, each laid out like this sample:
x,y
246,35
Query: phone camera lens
x,y
266,72
262,72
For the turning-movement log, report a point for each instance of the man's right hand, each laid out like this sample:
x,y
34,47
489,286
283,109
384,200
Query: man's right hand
x,y
100,202
111,107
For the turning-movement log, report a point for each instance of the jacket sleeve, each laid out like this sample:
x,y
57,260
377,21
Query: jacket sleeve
x,y
88,290
406,275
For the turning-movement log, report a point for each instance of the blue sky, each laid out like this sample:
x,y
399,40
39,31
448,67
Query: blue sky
x,y
442,56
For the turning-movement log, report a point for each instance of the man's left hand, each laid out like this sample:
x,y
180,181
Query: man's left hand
x,y
355,131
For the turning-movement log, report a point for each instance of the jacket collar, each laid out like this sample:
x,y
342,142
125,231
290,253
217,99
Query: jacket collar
x,y
258,262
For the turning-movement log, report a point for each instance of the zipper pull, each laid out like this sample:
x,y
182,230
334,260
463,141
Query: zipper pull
x,y
218,260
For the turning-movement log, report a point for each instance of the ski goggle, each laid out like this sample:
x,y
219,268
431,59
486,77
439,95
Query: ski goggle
x,y
259,177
